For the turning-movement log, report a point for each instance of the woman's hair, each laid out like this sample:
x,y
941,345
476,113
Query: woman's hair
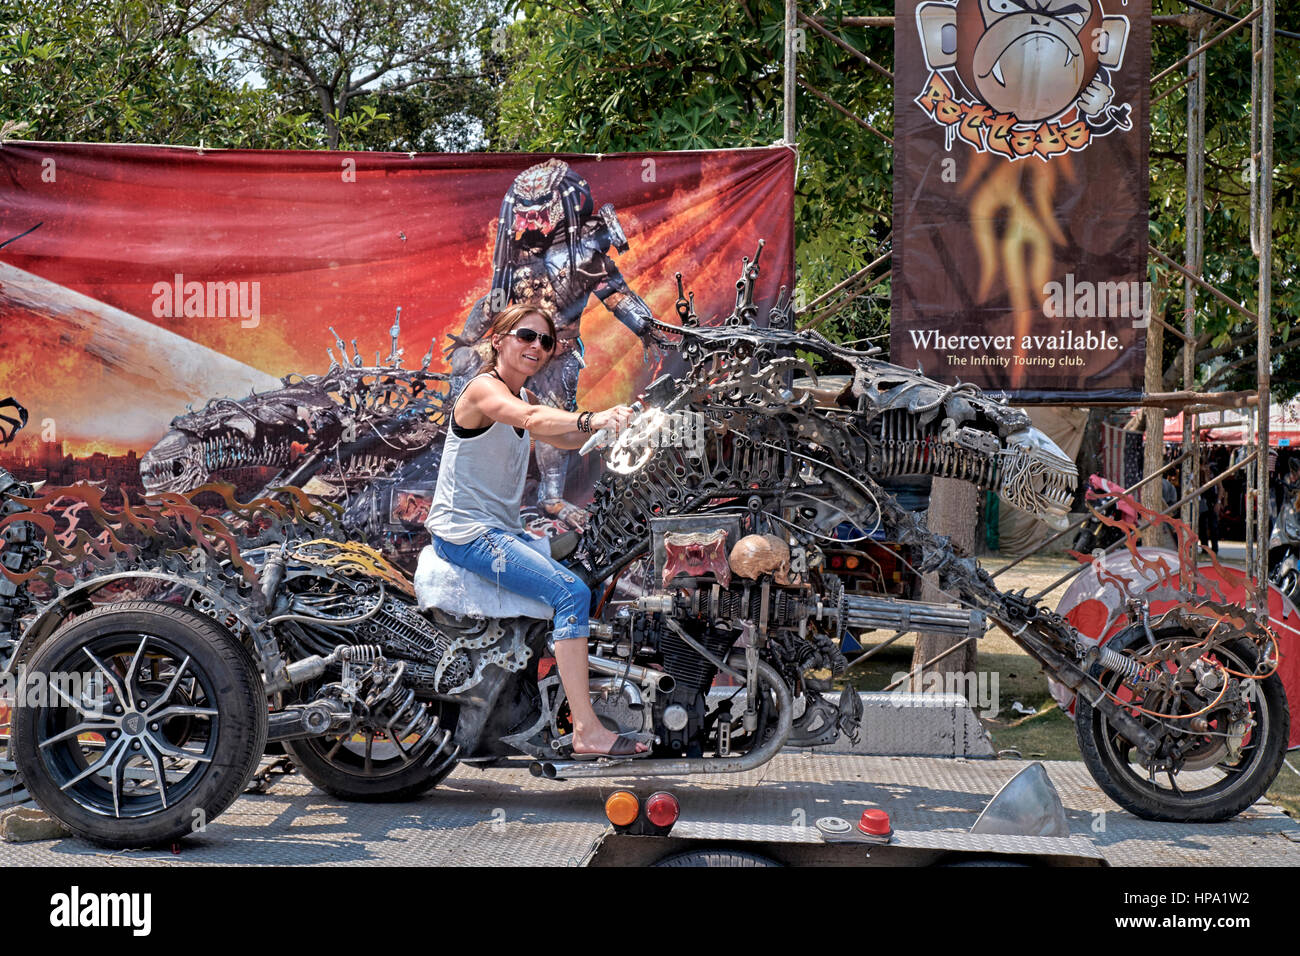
x,y
504,322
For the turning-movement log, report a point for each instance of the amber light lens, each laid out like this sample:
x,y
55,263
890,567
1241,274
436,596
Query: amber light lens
x,y
662,809
621,808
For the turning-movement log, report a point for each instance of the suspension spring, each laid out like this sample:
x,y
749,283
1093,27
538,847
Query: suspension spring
x,y
409,717
1126,667
359,653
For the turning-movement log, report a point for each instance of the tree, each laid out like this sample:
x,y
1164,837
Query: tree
x,y
389,74
1226,341
128,71
628,75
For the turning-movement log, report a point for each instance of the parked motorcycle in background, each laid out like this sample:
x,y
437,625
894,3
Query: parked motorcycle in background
x,y
1284,540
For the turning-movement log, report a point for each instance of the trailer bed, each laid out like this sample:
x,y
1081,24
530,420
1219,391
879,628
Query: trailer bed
x,y
505,815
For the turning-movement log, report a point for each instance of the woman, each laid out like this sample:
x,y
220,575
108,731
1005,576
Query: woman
x,y
474,518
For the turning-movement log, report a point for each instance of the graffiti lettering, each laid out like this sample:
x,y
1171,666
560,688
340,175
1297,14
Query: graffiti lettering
x,y
992,132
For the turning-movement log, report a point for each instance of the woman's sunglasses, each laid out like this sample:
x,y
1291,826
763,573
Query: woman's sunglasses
x,y
529,336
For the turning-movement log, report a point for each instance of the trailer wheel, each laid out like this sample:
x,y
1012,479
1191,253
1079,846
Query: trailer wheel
x,y
716,857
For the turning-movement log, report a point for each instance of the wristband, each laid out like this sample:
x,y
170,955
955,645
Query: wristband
x,y
584,421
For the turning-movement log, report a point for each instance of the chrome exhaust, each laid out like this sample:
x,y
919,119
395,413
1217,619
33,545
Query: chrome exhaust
x,y
676,767
661,680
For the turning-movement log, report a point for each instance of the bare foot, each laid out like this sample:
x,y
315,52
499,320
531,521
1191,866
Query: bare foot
x,y
603,741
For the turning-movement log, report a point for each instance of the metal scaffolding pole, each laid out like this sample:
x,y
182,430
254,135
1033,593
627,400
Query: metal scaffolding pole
x,y
791,11
1193,260
1261,58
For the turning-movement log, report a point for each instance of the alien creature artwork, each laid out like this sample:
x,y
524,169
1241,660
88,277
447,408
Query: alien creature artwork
x,y
553,250
188,639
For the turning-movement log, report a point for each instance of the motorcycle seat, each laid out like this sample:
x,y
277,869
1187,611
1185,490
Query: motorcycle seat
x,y
453,590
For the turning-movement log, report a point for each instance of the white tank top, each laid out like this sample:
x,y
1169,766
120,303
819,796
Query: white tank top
x,y
480,482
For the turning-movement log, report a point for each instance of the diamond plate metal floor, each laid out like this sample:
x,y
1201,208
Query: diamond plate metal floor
x,y
506,816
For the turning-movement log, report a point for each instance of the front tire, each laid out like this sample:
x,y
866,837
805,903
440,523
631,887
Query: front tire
x,y
1226,769
153,722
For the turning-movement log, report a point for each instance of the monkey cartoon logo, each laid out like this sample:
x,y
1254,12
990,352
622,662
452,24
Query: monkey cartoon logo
x,y
1022,77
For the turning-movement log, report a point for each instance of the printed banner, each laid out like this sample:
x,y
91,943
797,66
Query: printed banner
x,y
138,281
1020,194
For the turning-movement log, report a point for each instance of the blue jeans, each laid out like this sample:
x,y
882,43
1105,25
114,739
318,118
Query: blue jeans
x,y
517,567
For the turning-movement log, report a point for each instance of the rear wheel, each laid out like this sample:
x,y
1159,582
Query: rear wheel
x,y
367,764
1217,756
143,722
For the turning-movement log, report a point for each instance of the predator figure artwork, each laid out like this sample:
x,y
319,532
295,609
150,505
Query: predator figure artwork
x,y
552,250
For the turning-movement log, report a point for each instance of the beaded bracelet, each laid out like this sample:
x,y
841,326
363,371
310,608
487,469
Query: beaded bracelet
x,y
584,421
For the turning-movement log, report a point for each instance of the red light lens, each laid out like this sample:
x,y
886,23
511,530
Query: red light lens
x,y
836,561
662,809
875,822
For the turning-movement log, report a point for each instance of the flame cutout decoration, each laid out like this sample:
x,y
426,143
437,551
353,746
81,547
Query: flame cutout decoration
x,y
1015,232
82,534
1205,602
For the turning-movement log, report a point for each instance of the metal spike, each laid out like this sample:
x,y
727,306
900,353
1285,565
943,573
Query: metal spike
x,y
394,332
338,341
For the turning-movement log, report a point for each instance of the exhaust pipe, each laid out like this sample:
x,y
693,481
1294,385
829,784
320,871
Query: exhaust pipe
x,y
662,680
650,767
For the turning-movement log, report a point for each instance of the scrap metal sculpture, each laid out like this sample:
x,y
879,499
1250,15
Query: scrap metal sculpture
x,y
751,445
365,437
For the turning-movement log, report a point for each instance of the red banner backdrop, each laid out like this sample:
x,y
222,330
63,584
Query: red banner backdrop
x,y
136,280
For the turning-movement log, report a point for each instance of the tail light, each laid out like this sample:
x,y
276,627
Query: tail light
x,y
622,808
662,809
625,812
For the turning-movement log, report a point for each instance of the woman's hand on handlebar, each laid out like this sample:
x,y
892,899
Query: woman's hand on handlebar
x,y
616,419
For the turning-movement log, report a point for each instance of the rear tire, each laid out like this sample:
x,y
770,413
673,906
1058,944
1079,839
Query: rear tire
x,y
339,766
160,723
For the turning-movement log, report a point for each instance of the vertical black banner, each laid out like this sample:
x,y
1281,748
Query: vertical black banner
x,y
1020,194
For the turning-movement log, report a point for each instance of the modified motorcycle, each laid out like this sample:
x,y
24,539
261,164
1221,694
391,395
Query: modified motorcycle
x,y
175,644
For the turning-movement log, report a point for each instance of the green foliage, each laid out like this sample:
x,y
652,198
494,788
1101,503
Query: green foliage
x,y
633,75
126,71
377,74
1226,346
